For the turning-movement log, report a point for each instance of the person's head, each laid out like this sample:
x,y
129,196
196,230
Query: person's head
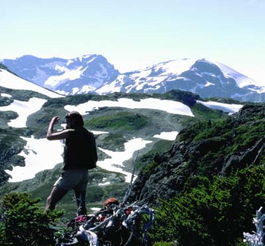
x,y
74,119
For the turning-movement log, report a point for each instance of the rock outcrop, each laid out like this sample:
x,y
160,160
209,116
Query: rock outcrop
x,y
206,149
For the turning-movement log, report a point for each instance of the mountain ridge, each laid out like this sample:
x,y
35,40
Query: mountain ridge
x,y
94,74
85,73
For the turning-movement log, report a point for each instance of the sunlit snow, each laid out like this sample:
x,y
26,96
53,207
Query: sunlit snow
x,y
167,135
150,76
115,162
171,107
5,95
11,81
99,132
229,108
175,66
67,74
40,154
240,79
208,84
24,109
114,86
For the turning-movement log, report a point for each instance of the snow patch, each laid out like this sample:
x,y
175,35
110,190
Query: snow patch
x,y
208,84
115,86
24,109
175,66
11,81
99,132
86,89
40,154
68,74
171,107
229,108
167,135
5,95
115,162
240,79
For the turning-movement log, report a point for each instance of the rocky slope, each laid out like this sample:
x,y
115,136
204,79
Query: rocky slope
x,y
208,148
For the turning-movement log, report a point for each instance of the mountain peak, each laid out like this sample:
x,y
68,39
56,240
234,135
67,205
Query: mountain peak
x,y
92,73
66,76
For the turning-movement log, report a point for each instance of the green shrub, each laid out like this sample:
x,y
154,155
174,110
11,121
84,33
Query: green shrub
x,y
122,120
24,223
165,244
213,212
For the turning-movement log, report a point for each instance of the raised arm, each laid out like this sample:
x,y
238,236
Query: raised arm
x,y
56,135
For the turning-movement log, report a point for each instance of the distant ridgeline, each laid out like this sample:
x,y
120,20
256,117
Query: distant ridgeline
x,y
94,74
211,181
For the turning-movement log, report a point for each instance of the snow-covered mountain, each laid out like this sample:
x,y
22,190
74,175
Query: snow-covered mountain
x,y
204,77
67,76
11,81
93,74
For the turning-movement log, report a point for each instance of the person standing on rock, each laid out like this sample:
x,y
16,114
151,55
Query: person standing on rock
x,y
80,155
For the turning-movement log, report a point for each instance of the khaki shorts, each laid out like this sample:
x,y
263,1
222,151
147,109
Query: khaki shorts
x,y
73,179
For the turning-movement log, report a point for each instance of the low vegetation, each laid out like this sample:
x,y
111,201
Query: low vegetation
x,y
219,197
122,121
23,223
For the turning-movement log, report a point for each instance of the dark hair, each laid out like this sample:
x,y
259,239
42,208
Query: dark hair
x,y
76,117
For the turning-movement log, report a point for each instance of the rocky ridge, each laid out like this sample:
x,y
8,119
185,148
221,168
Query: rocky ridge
x,y
208,148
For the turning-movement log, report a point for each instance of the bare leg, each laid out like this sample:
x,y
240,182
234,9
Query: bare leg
x,y
55,196
80,197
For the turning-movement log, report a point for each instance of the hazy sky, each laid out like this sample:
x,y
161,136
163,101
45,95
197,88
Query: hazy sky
x,y
134,34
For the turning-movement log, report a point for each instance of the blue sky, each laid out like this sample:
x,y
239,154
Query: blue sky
x,y
139,33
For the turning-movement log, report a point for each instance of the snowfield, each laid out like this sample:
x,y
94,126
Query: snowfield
x,y
229,108
40,154
5,95
171,136
66,75
115,162
171,107
24,109
11,81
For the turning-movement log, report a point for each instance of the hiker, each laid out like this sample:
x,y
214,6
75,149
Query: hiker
x,y
80,155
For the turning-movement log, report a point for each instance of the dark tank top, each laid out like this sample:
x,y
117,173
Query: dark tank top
x,y
80,150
